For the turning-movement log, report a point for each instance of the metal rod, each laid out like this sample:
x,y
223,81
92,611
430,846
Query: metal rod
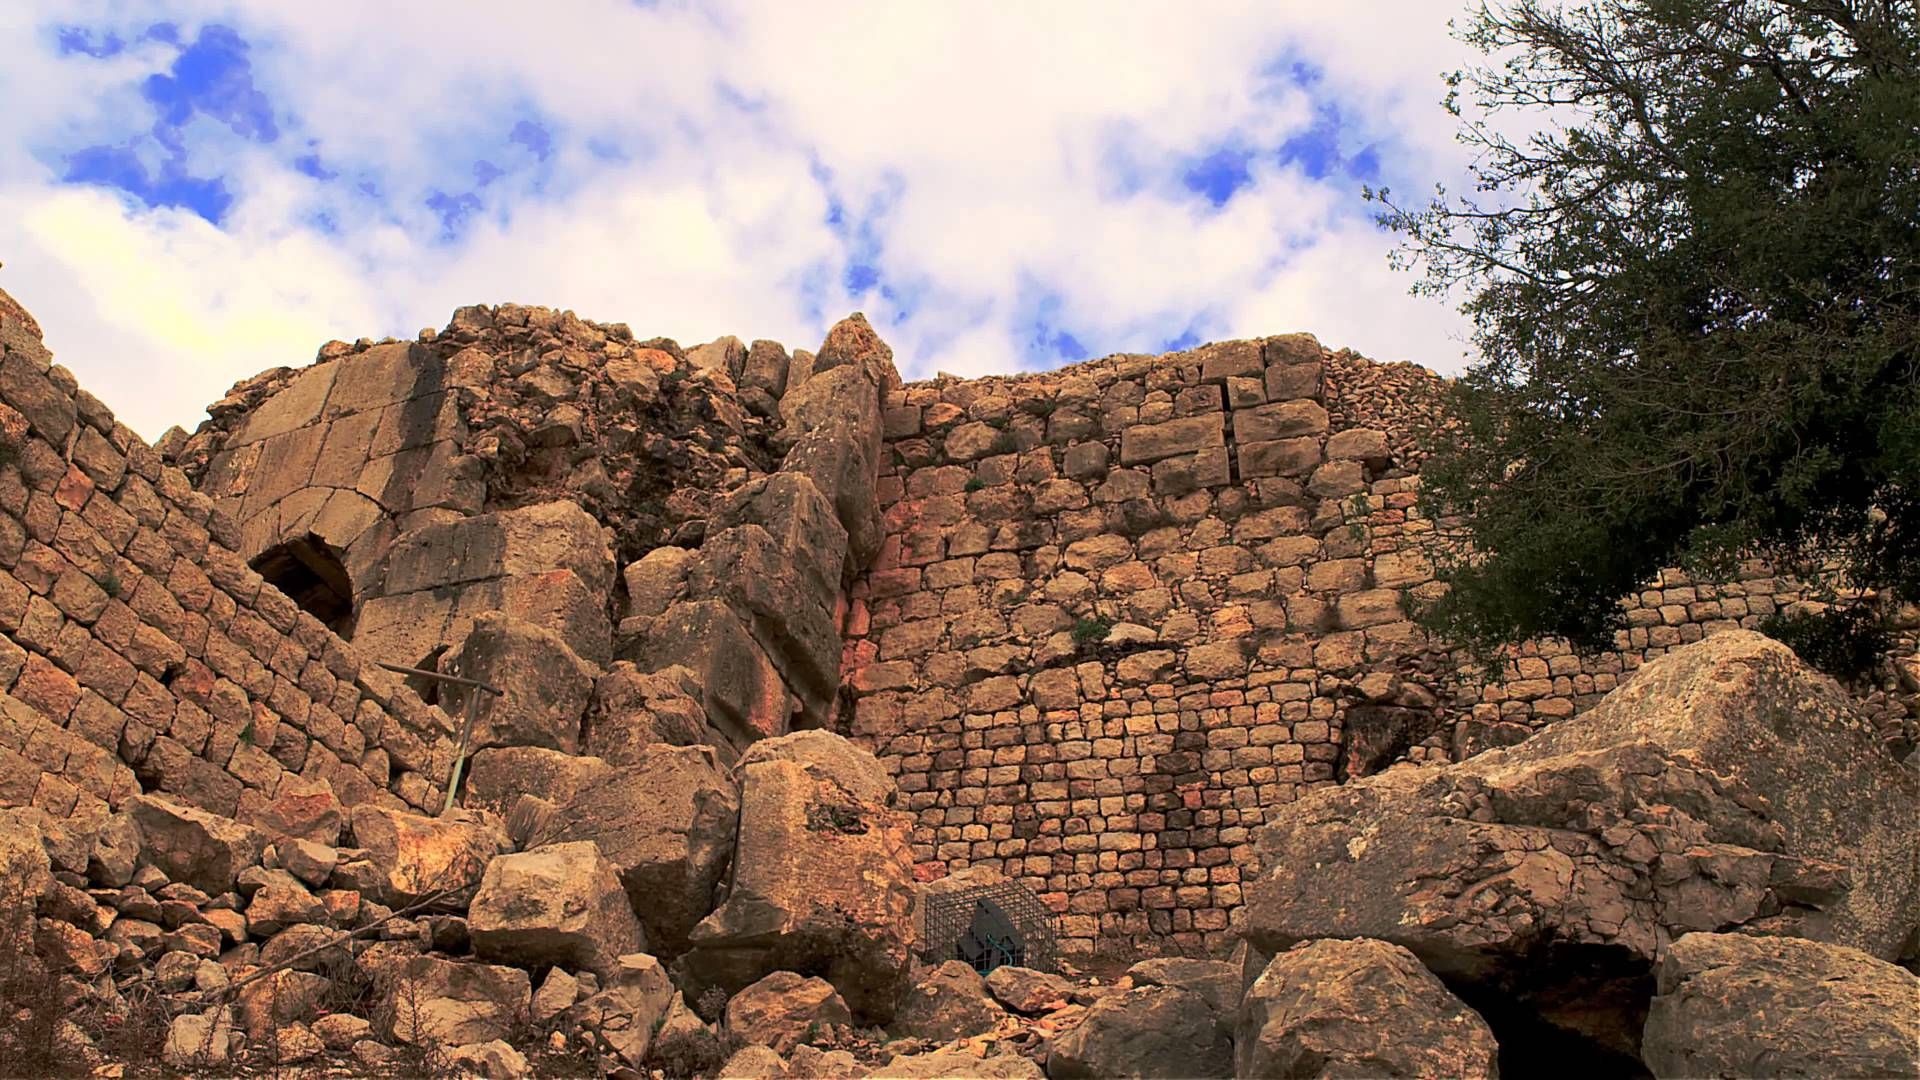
x,y
454,679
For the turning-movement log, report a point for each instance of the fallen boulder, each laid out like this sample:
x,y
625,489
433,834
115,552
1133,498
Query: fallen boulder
x,y
192,846
498,776
1357,1008
784,1009
1216,981
1542,881
957,1065
434,1001
950,1003
544,685
415,855
822,881
560,905
1731,1005
1146,1032
1027,991
665,823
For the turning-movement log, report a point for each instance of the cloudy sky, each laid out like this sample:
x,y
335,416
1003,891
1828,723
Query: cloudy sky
x,y
195,190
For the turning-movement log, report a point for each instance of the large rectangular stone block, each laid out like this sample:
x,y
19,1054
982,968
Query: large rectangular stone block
x,y
743,694
1144,443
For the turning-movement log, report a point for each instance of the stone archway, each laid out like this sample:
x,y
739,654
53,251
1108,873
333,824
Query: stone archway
x,y
310,572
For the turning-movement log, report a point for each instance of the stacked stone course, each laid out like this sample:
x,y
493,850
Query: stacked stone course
x,y
140,652
1127,608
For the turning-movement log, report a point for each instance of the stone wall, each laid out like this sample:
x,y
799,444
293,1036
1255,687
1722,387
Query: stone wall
x,y
141,652
1126,608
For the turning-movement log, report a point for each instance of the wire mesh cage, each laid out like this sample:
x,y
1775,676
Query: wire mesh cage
x,y
990,926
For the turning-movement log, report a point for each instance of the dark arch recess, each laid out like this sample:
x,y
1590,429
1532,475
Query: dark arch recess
x,y
310,572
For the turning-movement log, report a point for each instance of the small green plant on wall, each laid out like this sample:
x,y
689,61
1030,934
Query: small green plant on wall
x,y
1091,631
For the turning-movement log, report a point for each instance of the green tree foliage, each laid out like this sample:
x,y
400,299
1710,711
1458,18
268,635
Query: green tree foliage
x,y
1695,293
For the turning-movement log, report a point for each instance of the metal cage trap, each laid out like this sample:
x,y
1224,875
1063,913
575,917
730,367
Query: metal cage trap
x,y
990,926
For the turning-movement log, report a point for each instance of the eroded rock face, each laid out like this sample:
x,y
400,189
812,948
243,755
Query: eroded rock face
x,y
1543,881
782,1009
442,1002
822,881
1146,1032
560,905
1357,1008
665,823
1730,1005
544,685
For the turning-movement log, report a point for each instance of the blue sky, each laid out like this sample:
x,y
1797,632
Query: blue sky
x,y
201,189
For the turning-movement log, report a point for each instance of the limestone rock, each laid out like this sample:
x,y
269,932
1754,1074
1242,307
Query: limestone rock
x,y
822,881
491,1060
1598,839
1216,981
633,710
1752,710
665,824
833,756
1025,990
498,776
626,1013
437,1001
1358,1008
853,341
199,1040
958,1065
25,868
559,905
950,1002
300,808
417,855
193,846
1149,1031
1730,1005
753,1062
784,1009
741,692
339,1031
545,685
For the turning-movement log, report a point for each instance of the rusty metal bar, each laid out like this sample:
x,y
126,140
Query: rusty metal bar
x,y
454,679
466,726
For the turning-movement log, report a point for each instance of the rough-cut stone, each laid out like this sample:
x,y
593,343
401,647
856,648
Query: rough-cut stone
x,y
1216,981
950,1002
415,855
492,1060
306,809
1146,1032
1595,840
199,1040
753,1062
742,694
1730,1005
1144,444
784,1009
1357,1008
558,905
822,881
434,1001
665,823
192,846
625,1014
544,685
832,756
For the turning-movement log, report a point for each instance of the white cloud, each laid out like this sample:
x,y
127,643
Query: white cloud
x,y
993,124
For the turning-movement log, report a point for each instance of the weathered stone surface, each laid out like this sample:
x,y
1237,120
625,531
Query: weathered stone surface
x,y
544,685
950,1002
560,905
1025,990
632,710
655,580
1599,841
783,1009
1753,711
789,612
416,855
492,1060
306,809
192,846
199,1040
665,823
498,776
1149,1031
632,1005
1357,1008
1730,1005
823,881
832,756
841,457
958,1065
852,341
27,872
527,541
1146,443
753,1062
435,1001
742,694
1216,981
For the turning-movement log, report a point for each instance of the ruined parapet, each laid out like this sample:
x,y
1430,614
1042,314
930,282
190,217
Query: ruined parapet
x,y
142,654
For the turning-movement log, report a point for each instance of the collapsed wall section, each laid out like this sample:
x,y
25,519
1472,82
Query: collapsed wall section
x,y
141,653
1127,608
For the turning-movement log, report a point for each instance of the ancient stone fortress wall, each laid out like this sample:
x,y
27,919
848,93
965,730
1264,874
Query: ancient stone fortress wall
x,y
1126,609
141,652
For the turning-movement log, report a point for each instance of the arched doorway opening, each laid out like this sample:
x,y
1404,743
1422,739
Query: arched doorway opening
x,y
310,572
